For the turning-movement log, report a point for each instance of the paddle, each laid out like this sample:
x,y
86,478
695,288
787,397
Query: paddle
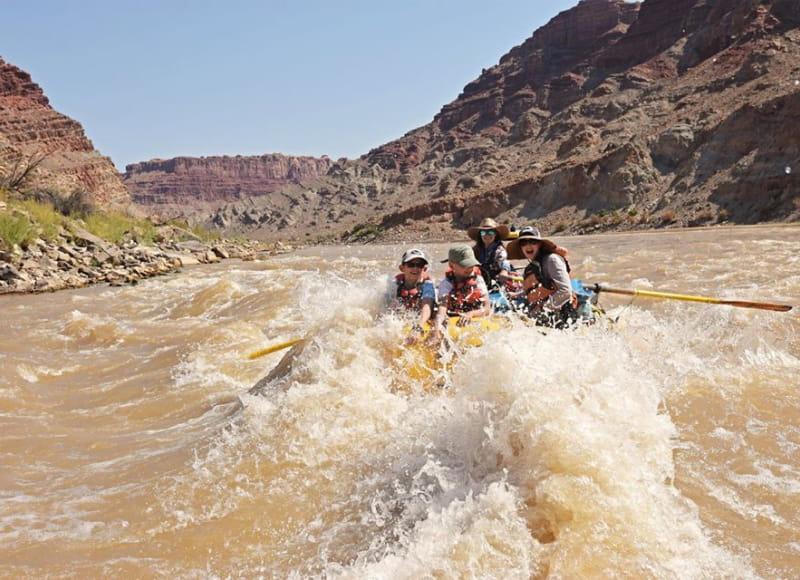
x,y
648,294
273,348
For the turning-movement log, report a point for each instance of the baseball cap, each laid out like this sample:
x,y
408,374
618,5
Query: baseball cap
x,y
413,254
462,255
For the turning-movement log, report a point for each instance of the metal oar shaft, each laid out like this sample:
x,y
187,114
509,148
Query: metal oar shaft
x,y
710,300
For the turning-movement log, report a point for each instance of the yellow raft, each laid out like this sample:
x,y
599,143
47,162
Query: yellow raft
x,y
426,365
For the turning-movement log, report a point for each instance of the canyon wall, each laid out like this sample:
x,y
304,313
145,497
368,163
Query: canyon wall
x,y
613,116
40,147
170,186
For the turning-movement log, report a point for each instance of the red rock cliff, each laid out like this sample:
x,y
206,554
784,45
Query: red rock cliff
x,y
614,115
31,131
169,185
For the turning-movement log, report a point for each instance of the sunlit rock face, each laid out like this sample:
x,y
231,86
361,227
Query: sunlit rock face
x,y
54,147
170,186
614,115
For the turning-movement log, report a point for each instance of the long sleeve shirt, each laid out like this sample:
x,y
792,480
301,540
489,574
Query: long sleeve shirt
x,y
555,268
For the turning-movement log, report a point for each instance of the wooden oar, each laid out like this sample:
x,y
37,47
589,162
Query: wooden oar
x,y
273,348
649,294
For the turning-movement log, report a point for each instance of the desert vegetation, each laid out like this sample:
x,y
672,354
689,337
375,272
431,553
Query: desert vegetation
x,y
26,216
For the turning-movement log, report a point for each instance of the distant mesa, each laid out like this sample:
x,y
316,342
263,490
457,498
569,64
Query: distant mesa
x,y
169,186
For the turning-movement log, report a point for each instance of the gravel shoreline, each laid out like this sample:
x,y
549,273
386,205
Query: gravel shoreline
x,y
78,258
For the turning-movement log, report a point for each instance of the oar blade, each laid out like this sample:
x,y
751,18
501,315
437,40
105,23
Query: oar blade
x,y
761,305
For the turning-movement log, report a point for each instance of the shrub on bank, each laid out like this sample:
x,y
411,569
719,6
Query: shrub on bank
x,y
43,213
48,220
117,227
15,229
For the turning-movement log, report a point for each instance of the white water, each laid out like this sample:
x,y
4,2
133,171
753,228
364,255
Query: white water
x,y
662,447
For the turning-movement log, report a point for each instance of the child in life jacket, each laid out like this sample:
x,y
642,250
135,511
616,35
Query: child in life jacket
x,y
463,292
415,292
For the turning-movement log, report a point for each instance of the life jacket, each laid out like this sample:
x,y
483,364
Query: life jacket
x,y
488,266
536,270
410,298
466,294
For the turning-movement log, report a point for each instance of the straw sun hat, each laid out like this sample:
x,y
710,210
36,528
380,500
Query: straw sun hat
x,y
488,224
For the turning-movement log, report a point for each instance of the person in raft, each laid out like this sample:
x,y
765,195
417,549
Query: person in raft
x,y
462,292
414,292
490,251
546,286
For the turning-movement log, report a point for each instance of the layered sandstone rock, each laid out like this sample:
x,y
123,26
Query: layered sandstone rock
x,y
169,186
614,115
35,137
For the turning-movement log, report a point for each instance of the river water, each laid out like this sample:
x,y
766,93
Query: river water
x,y
664,445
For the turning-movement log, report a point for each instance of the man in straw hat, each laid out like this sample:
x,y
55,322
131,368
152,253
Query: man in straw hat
x,y
463,292
489,250
547,285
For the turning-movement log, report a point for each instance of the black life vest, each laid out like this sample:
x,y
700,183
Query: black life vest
x,y
565,315
535,269
489,267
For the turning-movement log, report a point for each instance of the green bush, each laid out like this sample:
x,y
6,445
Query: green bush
x,y
78,204
48,220
364,230
16,229
117,227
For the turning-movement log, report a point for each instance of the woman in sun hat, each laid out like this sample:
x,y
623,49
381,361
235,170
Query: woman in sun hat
x,y
547,285
414,291
489,250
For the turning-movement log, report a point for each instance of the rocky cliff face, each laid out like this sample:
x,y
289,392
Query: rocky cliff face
x,y
170,186
41,147
614,115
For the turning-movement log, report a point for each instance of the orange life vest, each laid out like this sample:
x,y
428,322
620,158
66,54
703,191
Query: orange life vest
x,y
466,294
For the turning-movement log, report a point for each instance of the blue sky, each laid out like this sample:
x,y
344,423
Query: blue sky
x,y
169,78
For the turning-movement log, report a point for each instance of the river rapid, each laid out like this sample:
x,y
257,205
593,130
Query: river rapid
x,y
664,445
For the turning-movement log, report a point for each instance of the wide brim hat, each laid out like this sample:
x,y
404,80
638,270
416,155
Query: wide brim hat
x,y
526,233
488,224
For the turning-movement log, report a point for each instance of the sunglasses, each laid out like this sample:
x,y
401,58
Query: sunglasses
x,y
488,233
415,264
528,242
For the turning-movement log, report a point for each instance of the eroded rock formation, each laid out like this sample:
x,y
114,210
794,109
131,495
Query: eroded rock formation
x,y
170,186
41,147
614,115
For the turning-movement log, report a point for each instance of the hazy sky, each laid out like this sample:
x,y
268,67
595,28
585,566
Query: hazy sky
x,y
167,78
